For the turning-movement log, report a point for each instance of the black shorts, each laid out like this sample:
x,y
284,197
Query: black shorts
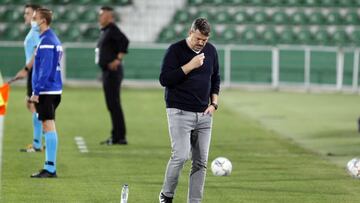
x,y
29,84
47,106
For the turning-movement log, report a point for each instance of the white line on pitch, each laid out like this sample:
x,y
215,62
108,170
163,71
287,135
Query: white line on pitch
x,y
80,142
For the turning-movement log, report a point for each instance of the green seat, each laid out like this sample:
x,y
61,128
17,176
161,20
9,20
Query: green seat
x,y
294,3
123,2
69,16
298,18
91,33
316,18
222,17
321,37
249,36
275,2
240,17
89,15
168,34
11,15
103,2
355,37
269,36
229,35
238,2
204,14
195,2
12,33
61,2
304,36
329,3
339,37
345,3
181,16
279,18
257,2
42,2
72,34
287,36
260,17
312,3
356,2
351,18
333,18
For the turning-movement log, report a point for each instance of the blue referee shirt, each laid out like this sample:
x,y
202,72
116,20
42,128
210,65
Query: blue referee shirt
x,y
32,39
46,77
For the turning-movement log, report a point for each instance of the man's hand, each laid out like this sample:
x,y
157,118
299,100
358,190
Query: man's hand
x,y
195,62
210,110
21,74
114,65
34,99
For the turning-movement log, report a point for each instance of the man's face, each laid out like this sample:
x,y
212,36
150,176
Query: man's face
x,y
36,17
104,18
28,14
197,41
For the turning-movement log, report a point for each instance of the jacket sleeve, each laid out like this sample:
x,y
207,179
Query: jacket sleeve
x,y
44,70
215,78
171,73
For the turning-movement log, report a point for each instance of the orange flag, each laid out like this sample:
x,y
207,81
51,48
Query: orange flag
x,y
4,95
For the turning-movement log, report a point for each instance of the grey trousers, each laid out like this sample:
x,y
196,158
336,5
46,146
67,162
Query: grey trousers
x,y
190,135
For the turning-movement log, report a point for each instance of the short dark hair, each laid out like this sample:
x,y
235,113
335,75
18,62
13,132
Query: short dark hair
x,y
106,8
45,13
201,24
32,6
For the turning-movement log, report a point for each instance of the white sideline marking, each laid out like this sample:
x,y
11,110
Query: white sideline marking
x,y
80,142
1,141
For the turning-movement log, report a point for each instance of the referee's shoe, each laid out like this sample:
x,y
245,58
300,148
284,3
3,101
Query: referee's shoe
x,y
111,142
43,173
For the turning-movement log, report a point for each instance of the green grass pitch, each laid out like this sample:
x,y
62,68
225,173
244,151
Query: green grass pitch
x,y
278,144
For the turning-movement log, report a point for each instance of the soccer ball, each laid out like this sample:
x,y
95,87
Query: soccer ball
x,y
221,166
353,167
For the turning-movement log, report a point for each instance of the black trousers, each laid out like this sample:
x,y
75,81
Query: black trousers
x,y
111,84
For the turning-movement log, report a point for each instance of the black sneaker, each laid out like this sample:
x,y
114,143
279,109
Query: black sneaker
x,y
43,173
164,199
111,142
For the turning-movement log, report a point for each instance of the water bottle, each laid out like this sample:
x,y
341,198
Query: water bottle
x,y
124,194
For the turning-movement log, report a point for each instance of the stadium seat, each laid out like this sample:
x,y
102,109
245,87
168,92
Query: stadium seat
x,y
205,14
181,16
69,16
298,18
339,37
321,37
316,18
222,17
11,15
89,15
304,36
356,2
275,2
229,34
91,33
237,2
333,18
287,36
168,34
351,18
312,3
355,37
256,2
260,17
249,35
123,2
345,3
328,3
12,33
196,2
269,36
240,17
279,18
72,34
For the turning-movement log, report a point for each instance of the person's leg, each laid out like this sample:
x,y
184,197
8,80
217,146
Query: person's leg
x,y
46,108
37,124
180,127
200,143
111,84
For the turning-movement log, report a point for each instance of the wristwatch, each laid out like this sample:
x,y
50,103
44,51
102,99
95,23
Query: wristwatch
x,y
214,105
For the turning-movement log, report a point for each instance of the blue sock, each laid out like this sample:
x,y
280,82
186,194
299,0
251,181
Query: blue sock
x,y
37,131
50,151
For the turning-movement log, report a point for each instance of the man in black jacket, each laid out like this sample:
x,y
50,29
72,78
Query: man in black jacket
x,y
111,49
190,73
